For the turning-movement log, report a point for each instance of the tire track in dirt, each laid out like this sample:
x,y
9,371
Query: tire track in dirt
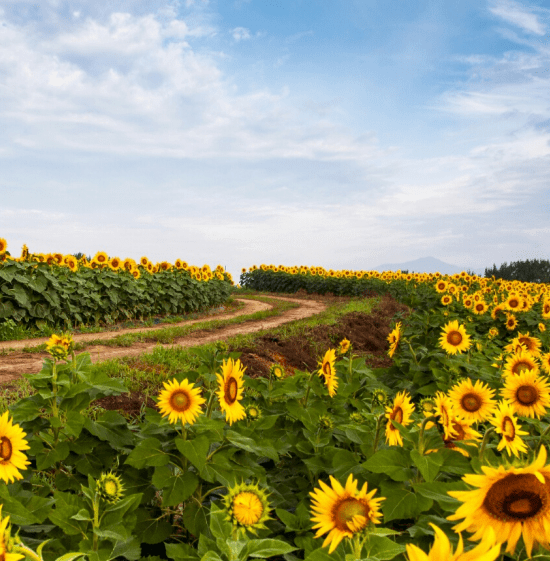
x,y
15,364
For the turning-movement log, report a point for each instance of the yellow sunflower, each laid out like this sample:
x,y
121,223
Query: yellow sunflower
x,y
344,346
101,257
532,344
528,394
462,430
545,362
442,550
329,371
454,338
473,402
12,443
180,401
479,308
247,507
513,303
400,412
443,409
546,309
441,286
6,540
230,390
522,361
507,426
3,245
511,322
394,338
514,502
144,261
343,511
446,299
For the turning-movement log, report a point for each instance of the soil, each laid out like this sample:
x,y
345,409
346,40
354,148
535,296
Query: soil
x,y
367,333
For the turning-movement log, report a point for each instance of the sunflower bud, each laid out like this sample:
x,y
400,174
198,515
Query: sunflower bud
x,y
380,396
247,508
253,412
110,488
326,423
221,347
427,405
356,418
276,371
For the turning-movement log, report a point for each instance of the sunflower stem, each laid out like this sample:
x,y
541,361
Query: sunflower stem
x,y
210,404
412,352
378,428
488,432
546,431
427,420
308,388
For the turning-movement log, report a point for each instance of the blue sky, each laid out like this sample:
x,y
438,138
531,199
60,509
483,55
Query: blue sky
x,y
342,134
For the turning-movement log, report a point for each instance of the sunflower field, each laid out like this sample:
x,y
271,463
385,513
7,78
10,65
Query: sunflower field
x,y
60,290
441,456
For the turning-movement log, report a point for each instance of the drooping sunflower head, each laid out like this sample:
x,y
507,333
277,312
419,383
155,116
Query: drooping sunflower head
x,y
393,339
110,487
180,401
343,511
473,402
400,412
12,444
515,502
230,390
247,507
454,338
493,332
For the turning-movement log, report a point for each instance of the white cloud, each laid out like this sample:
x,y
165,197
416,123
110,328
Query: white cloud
x,y
240,33
518,15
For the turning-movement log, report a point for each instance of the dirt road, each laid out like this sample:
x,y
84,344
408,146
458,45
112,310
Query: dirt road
x,y
14,364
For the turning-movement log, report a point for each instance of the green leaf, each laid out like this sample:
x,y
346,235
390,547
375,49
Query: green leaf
x,y
250,445
383,548
194,450
130,549
267,548
152,529
148,453
400,503
181,552
82,514
70,556
66,506
178,488
392,462
438,490
48,457
428,465
113,428
219,526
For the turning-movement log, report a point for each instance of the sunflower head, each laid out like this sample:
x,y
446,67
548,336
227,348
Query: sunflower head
x,y
506,425
247,507
110,487
326,423
344,346
454,338
400,412
3,245
276,371
180,401
427,405
380,396
12,444
253,412
230,390
473,402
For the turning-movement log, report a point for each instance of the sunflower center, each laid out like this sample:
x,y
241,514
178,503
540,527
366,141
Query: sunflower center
x,y
454,338
346,511
508,429
513,303
326,369
180,401
520,367
111,488
516,497
479,307
5,449
397,415
471,402
231,390
527,395
247,508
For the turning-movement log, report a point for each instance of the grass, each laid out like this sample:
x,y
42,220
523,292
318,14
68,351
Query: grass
x,y
145,374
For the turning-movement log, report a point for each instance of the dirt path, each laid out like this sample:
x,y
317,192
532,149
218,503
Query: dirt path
x,y
15,364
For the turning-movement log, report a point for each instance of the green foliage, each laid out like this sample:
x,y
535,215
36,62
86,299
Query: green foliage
x,y
530,270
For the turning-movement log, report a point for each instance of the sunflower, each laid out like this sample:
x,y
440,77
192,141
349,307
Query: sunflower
x,y
473,402
546,309
343,511
479,308
231,390
144,261
115,263
135,273
528,394
329,372
542,327
462,430
506,425
454,338
511,322
101,257
12,442
6,540
514,502
531,343
467,301
513,303
393,339
443,409
545,362
493,332
441,549
400,412
110,487
519,362
180,401
247,507
446,299
3,245
344,346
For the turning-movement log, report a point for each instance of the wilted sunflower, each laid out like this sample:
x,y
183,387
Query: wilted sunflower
x,y
247,507
528,394
507,426
442,550
393,339
522,361
230,390
473,402
514,502
180,401
12,443
542,327
454,338
400,412
343,511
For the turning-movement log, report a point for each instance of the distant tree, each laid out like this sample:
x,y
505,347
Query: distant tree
x,y
531,270
80,255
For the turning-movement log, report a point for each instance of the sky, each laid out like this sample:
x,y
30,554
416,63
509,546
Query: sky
x,y
340,134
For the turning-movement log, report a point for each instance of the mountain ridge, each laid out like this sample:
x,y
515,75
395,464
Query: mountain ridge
x,y
428,265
